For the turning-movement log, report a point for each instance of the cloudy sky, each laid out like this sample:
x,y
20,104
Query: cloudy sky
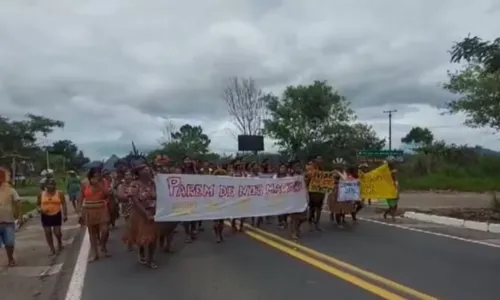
x,y
115,70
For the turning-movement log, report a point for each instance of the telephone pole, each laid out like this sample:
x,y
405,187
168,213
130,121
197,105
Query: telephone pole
x,y
390,112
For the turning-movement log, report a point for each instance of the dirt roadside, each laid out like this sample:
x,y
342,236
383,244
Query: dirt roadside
x,y
37,274
442,200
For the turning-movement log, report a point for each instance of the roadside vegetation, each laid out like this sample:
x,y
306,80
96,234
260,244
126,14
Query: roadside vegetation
x,y
450,168
27,206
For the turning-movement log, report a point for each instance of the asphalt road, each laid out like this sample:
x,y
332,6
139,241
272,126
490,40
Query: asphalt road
x,y
364,261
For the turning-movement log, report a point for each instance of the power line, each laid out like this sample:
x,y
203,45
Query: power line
x,y
390,112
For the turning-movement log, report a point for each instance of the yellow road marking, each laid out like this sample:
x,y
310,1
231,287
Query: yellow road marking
x,y
385,294
387,282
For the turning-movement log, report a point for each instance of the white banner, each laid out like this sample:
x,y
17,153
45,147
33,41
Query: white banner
x,y
204,197
349,190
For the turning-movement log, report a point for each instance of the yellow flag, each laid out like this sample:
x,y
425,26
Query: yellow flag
x,y
378,184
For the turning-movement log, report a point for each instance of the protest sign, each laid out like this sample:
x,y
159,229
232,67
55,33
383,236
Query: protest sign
x,y
182,197
378,184
349,190
321,181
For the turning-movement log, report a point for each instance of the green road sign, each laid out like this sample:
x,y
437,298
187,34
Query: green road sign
x,y
380,153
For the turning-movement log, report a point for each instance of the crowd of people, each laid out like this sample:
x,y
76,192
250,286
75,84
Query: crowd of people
x,y
129,191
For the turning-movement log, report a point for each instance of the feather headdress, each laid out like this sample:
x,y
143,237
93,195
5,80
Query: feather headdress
x,y
338,161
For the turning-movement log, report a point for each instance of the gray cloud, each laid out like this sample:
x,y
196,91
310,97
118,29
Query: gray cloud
x,y
116,70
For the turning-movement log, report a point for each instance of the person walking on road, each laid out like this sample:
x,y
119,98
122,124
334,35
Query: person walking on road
x,y
10,209
53,212
124,195
316,199
282,219
73,186
393,203
143,230
94,212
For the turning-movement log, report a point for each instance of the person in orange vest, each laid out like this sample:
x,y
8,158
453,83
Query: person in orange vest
x,y
52,206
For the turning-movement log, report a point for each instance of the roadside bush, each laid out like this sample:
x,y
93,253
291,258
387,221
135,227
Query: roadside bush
x,y
457,168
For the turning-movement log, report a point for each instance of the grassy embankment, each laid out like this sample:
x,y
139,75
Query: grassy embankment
x,y
447,182
458,172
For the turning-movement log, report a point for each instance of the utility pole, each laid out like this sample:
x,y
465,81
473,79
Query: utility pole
x,y
390,112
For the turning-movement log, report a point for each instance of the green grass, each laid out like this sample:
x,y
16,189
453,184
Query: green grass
x,y
447,182
33,189
29,190
27,206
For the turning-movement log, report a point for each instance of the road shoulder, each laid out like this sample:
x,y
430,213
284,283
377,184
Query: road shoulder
x,y
37,274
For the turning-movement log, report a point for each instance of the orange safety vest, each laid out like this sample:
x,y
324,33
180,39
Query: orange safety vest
x,y
51,204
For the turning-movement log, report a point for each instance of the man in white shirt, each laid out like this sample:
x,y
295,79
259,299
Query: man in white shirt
x,y
10,209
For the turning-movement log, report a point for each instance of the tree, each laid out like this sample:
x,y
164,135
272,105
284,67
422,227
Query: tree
x,y
71,156
475,50
418,135
305,116
363,136
65,148
43,125
245,104
188,140
477,84
21,136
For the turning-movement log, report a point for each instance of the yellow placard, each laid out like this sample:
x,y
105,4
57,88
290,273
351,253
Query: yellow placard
x,y
321,181
377,184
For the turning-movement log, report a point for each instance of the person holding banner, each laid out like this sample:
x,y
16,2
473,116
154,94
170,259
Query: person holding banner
x,y
237,172
340,207
393,202
219,224
364,168
255,173
190,226
296,219
316,199
266,171
282,219
143,230
352,174
339,171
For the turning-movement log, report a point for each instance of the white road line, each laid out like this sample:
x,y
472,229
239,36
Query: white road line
x,y
77,281
433,233
457,238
